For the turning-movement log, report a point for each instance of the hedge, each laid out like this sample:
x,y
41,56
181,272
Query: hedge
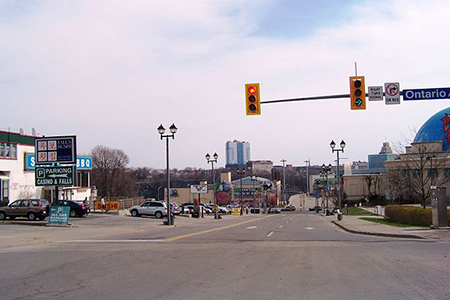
x,y
410,215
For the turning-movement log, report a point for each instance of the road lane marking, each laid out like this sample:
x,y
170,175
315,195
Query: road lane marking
x,y
211,230
281,226
112,241
269,234
309,228
251,227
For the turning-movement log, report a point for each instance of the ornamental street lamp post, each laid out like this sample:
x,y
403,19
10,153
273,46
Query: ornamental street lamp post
x,y
241,173
326,170
173,129
253,179
212,161
338,173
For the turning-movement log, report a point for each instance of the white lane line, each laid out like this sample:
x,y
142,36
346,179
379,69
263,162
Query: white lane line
x,y
251,227
111,241
281,226
287,222
309,228
269,234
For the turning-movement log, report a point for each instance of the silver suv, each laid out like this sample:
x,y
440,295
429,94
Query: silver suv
x,y
149,208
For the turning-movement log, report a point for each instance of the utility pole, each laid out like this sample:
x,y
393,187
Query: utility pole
x,y
307,162
284,180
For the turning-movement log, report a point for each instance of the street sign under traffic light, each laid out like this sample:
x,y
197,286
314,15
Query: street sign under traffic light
x,y
252,99
357,92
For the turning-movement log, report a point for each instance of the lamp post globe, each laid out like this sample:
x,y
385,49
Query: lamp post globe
x,y
332,144
161,129
173,129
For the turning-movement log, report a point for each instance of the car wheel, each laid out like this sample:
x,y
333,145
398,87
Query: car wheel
x,y
73,213
158,215
31,216
2,216
134,213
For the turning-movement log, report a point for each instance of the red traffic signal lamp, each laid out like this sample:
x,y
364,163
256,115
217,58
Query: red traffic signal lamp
x,y
357,92
252,99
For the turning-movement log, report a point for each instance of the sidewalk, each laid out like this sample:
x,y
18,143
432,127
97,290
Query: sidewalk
x,y
354,224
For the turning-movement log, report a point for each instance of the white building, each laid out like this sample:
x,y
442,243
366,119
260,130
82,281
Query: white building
x,y
17,168
237,153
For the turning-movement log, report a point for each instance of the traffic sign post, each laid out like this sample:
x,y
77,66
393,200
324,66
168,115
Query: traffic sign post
x,y
54,176
392,93
375,93
426,94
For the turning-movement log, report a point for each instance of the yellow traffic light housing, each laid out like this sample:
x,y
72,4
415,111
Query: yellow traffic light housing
x,y
357,92
252,99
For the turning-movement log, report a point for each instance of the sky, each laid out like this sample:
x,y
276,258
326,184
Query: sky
x,y
110,72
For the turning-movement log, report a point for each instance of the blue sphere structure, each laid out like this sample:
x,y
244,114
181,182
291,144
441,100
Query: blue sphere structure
x,y
437,128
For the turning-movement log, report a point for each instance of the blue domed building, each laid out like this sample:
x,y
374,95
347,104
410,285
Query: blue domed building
x,y
426,162
436,129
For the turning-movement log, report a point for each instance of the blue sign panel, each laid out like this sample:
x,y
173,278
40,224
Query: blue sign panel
x,y
426,94
83,163
59,215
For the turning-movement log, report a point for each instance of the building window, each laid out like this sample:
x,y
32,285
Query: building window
x,y
447,172
4,190
8,150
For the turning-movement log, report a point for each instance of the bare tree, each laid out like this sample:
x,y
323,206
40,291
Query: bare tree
x,y
109,173
421,168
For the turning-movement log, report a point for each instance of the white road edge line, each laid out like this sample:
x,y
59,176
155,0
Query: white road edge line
x,y
281,226
269,234
112,241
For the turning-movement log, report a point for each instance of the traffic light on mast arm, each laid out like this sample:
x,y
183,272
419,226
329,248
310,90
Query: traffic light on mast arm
x,y
357,92
252,99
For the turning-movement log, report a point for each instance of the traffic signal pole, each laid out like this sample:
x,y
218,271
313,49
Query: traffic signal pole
x,y
341,96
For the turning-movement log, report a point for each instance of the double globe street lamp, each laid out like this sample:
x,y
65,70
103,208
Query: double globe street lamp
x,y
161,130
212,161
338,173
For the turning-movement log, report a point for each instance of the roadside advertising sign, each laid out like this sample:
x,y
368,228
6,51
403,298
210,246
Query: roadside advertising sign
x,y
376,93
426,94
199,189
392,92
57,149
54,176
110,205
83,163
59,215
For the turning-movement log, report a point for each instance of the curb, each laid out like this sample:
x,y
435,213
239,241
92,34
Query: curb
x,y
31,223
405,236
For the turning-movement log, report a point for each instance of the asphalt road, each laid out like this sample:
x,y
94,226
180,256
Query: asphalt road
x,y
287,256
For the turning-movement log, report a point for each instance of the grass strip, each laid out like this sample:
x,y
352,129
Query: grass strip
x,y
390,223
356,211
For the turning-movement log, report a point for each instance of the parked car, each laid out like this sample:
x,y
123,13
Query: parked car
x,y
290,207
315,208
176,209
149,208
76,209
223,210
273,210
30,208
187,208
206,208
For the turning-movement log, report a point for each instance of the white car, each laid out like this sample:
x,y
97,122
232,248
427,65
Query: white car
x,y
149,208
223,210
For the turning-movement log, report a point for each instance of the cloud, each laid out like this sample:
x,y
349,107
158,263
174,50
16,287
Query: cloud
x,y
112,71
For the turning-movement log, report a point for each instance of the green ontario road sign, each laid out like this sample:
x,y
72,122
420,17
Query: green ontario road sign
x,y
54,176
